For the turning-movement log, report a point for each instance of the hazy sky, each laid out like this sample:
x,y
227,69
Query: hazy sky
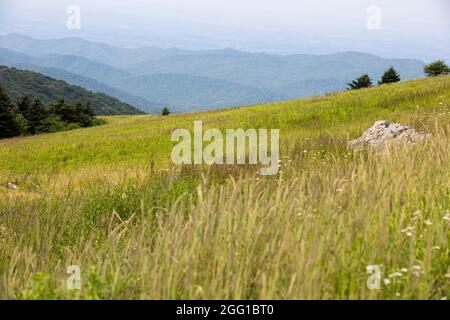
x,y
408,28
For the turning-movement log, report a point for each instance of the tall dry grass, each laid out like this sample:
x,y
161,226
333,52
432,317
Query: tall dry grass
x,y
107,200
307,234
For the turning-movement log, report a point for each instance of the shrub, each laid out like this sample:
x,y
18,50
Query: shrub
x,y
363,81
436,68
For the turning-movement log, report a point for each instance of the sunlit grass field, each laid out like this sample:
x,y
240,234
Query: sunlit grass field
x,y
109,200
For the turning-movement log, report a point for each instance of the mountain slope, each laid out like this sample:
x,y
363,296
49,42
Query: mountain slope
x,y
281,73
99,52
181,92
193,80
18,83
96,86
187,93
46,66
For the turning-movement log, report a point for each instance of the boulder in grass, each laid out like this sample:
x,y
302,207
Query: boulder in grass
x,y
383,132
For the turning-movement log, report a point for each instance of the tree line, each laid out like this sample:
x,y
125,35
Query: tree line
x,y
29,116
391,75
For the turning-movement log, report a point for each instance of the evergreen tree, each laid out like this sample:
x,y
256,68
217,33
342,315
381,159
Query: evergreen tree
x,y
67,112
81,114
22,123
390,76
8,124
85,115
165,111
57,106
88,110
32,116
36,117
24,104
436,68
363,81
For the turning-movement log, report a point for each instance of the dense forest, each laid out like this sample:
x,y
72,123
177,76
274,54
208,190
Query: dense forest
x,y
31,116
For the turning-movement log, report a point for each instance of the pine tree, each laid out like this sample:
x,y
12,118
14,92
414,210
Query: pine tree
x,y
57,106
363,81
67,112
8,124
436,68
85,115
36,116
24,104
165,111
390,76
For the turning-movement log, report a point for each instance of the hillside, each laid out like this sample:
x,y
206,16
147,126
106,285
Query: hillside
x,y
275,71
18,83
109,200
184,93
74,70
133,139
209,79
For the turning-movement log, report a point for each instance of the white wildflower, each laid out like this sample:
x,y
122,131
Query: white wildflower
x,y
417,215
407,229
447,216
387,282
395,275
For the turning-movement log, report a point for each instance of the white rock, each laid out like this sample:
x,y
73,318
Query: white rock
x,y
383,132
12,186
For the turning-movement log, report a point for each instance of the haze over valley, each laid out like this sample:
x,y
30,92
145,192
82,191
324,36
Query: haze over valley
x,y
188,80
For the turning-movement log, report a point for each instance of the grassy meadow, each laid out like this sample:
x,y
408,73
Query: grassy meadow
x,y
109,200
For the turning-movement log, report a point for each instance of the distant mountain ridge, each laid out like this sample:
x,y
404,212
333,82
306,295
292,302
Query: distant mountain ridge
x,y
193,80
67,68
99,52
18,83
214,93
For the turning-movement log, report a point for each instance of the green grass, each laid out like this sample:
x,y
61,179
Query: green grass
x,y
109,200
